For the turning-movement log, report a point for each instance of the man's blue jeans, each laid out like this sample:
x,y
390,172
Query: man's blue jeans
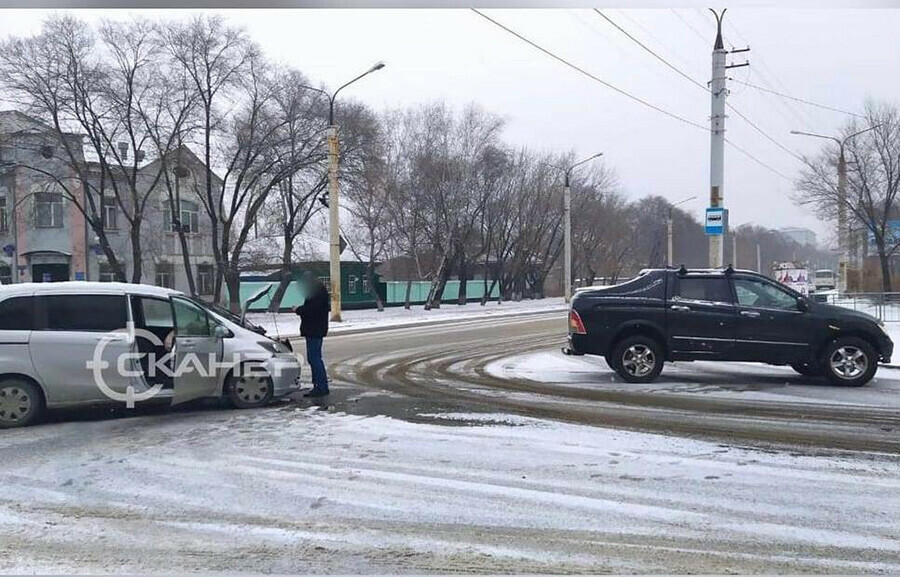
x,y
316,364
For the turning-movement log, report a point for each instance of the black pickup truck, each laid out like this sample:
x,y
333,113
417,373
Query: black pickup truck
x,y
724,315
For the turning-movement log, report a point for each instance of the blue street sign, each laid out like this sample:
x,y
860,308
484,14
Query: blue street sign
x,y
715,221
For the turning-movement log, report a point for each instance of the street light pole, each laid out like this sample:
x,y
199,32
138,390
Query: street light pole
x,y
670,231
334,225
567,223
842,226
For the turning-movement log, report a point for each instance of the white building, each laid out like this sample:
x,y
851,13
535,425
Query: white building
x,y
802,236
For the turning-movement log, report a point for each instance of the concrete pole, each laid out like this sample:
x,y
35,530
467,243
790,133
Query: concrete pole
x,y
334,227
843,244
567,215
734,251
717,144
758,260
669,233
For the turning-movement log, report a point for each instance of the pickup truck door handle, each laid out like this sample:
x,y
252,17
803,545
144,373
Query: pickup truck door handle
x,y
681,308
753,314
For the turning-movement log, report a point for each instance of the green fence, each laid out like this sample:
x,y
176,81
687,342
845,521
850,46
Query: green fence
x,y
395,293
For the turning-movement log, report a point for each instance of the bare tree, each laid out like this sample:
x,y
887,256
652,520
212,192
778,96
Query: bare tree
x,y
369,204
92,91
873,181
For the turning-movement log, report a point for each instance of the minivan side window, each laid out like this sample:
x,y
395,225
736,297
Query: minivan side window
x,y
89,313
17,314
704,288
761,294
190,320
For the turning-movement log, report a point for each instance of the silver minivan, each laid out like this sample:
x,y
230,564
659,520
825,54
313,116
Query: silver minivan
x,y
72,344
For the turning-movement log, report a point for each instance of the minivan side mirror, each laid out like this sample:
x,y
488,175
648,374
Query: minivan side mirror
x,y
221,332
802,305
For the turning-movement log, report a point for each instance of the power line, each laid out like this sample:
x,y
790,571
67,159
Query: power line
x,y
589,75
801,100
648,49
755,126
623,92
758,161
688,24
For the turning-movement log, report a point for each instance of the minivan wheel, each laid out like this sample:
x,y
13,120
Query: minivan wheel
x,y
248,391
638,359
21,403
850,361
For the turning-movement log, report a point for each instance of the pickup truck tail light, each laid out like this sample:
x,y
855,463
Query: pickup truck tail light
x,y
575,324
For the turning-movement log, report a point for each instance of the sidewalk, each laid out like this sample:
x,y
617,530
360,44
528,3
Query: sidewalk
x,y
288,324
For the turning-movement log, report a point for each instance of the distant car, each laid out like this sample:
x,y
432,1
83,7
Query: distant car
x,y
824,280
724,315
50,331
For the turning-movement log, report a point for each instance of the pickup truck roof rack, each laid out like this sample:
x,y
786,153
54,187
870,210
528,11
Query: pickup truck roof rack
x,y
728,269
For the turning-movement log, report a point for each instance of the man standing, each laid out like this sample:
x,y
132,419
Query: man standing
x,y
314,326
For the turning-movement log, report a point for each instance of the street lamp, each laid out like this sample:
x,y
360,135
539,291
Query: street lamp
x,y
567,218
670,230
334,226
842,199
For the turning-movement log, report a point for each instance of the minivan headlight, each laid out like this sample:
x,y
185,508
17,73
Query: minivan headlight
x,y
274,347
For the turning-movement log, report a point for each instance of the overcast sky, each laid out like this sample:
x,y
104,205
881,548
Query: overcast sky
x,y
834,57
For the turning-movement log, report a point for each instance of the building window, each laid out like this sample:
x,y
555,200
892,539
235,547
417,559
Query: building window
x,y
190,217
351,285
48,208
4,214
327,282
110,213
165,275
205,279
107,273
365,283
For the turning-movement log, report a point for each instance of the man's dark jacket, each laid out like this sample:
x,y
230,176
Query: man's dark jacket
x,y
314,312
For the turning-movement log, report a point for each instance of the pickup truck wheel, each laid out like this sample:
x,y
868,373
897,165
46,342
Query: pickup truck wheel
x,y
850,361
809,369
638,359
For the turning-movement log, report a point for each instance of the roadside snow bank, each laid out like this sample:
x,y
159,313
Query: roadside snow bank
x,y
747,381
288,324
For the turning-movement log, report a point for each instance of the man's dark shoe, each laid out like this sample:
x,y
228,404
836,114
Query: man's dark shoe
x,y
316,393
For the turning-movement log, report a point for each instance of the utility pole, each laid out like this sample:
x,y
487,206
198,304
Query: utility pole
x,y
843,229
758,259
670,231
334,224
734,250
718,93
567,216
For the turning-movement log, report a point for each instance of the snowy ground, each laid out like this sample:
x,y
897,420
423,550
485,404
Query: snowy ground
x,y
592,372
288,324
308,490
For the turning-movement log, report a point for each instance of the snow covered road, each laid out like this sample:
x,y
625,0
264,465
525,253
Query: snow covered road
x,y
473,446
309,490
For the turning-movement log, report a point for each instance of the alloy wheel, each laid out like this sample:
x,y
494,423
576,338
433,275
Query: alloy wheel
x,y
848,362
638,360
15,404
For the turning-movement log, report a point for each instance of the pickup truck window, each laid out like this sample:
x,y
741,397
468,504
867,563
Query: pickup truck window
x,y
709,288
760,294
